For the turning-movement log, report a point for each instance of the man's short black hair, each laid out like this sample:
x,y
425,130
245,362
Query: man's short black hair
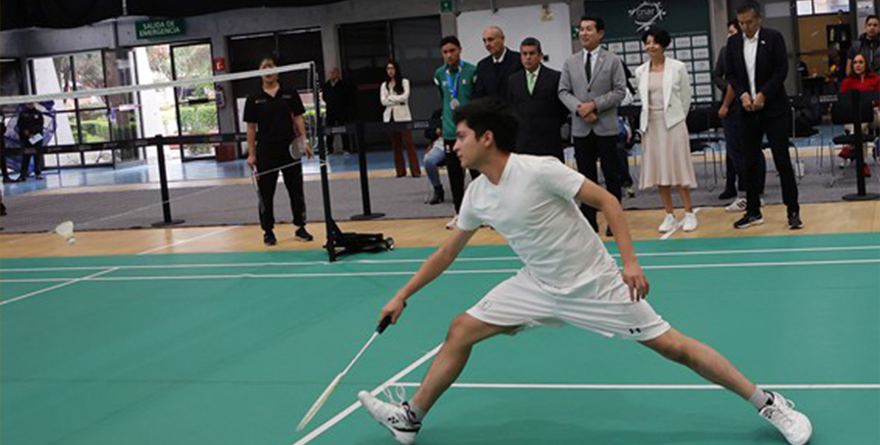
x,y
749,6
450,39
600,24
531,41
735,24
872,16
660,35
490,114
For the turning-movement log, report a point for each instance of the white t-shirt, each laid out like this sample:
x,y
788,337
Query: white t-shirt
x,y
533,207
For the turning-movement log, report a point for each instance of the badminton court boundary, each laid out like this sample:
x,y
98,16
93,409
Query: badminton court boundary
x,y
408,273
421,260
58,286
674,387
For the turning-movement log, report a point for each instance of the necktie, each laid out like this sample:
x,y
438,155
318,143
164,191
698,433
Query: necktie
x,y
589,67
530,82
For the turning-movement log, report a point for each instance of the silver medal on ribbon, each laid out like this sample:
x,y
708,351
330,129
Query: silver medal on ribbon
x,y
453,104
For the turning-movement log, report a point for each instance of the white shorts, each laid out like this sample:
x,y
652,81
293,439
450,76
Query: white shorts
x,y
520,301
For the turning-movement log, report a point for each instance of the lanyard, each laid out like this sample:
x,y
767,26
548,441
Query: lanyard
x,y
453,90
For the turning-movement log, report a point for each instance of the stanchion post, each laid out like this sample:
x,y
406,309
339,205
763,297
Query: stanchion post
x,y
364,176
3,167
163,186
862,192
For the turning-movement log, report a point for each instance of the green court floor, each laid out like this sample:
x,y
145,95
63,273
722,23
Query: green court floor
x,y
233,348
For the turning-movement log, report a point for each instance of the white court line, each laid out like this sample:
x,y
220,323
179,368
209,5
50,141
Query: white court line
x,y
419,261
448,272
678,225
645,386
57,286
351,408
177,243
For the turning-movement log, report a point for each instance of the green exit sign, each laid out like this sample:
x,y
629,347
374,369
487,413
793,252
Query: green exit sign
x,y
158,28
446,6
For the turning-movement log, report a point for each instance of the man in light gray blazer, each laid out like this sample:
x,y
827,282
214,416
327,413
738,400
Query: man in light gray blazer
x,y
592,86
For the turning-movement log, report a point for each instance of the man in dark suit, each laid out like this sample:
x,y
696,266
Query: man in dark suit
x,y
533,92
757,64
336,96
494,70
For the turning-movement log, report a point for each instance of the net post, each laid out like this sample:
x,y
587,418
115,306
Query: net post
x,y
329,224
163,186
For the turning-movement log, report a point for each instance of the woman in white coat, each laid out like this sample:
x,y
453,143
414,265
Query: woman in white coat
x,y
665,93
394,94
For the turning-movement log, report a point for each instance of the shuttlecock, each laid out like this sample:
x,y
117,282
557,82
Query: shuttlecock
x,y
65,230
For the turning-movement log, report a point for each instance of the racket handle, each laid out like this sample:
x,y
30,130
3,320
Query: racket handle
x,y
384,324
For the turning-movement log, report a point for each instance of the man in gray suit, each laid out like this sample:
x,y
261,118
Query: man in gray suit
x,y
592,86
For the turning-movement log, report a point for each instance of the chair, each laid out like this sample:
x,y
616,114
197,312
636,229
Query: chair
x,y
703,124
632,113
844,112
806,115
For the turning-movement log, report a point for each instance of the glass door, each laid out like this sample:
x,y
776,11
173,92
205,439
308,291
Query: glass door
x,y
195,105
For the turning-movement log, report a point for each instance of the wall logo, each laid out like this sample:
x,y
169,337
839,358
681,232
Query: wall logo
x,y
647,14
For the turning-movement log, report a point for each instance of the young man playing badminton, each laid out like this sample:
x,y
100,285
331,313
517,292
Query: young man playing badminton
x,y
568,276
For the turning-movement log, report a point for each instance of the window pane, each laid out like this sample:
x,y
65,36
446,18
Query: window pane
x,y
415,49
245,55
805,7
153,64
830,6
89,73
365,47
95,126
193,61
297,47
53,75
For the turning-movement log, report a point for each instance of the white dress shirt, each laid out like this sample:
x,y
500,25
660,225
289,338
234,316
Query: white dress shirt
x,y
750,55
536,72
501,57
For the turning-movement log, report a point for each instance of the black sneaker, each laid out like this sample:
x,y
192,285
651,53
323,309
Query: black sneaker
x,y
302,235
269,238
748,221
794,221
727,194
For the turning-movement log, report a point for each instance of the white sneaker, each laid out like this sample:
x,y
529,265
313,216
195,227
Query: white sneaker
x,y
689,223
738,205
453,223
795,426
391,416
668,223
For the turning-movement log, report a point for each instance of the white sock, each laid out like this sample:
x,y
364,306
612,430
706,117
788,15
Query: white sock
x,y
415,412
761,398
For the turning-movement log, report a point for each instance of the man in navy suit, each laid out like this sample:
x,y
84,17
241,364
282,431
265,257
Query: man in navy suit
x,y
533,93
757,64
494,69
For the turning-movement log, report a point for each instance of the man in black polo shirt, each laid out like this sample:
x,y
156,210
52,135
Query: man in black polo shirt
x,y
271,115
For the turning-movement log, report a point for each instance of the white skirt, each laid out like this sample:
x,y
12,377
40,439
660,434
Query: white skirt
x,y
666,154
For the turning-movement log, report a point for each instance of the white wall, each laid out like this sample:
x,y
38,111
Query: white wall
x,y
518,23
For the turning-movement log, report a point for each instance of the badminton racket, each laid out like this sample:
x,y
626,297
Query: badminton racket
x,y
326,394
254,179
